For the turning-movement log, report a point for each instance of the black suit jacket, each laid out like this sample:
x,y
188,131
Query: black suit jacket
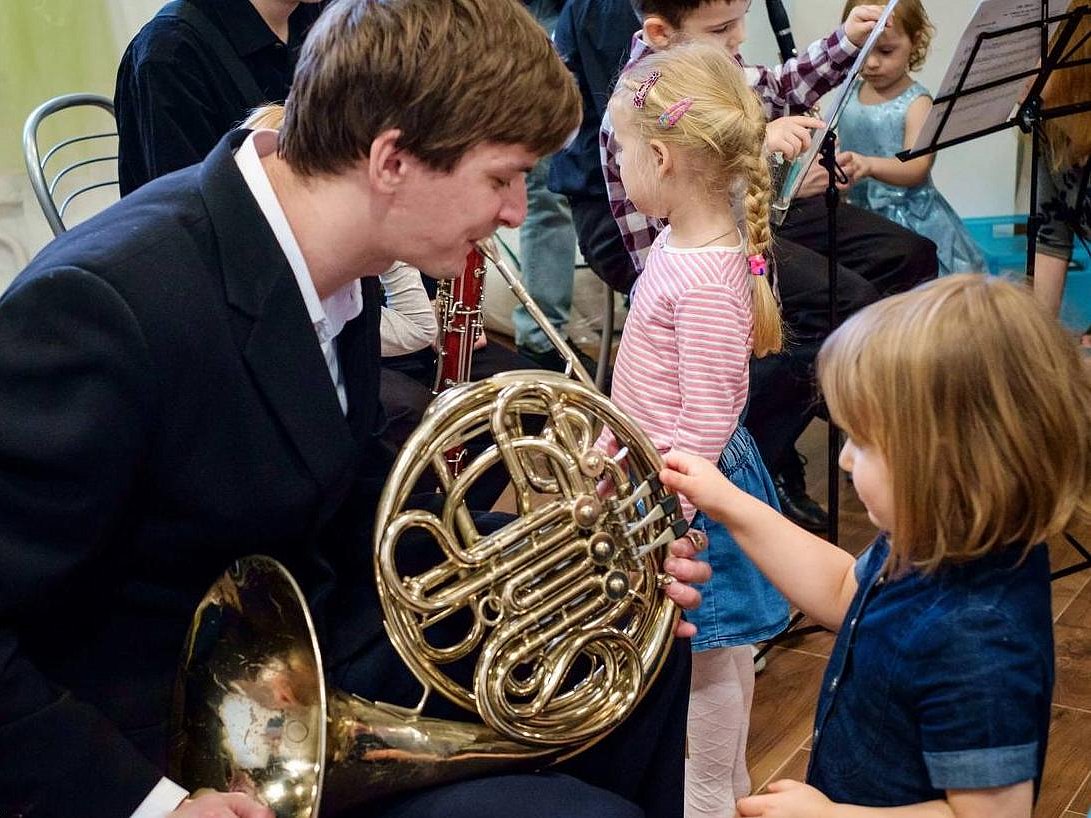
x,y
164,409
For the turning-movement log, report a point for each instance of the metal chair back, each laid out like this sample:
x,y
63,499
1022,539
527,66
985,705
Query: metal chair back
x,y
72,167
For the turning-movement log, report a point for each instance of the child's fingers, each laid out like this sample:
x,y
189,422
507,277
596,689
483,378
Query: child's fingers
x,y
751,805
810,122
784,784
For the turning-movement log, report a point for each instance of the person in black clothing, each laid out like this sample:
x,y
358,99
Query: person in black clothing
x,y
193,73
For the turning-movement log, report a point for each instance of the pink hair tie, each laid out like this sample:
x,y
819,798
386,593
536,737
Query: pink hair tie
x,y
642,92
669,118
757,264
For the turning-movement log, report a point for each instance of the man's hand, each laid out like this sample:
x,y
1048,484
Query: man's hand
x,y
221,805
685,569
790,135
785,799
861,21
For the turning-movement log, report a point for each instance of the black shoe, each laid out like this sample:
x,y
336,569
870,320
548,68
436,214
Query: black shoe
x,y
800,508
791,486
551,359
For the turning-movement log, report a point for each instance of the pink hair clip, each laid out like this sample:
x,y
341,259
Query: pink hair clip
x,y
669,118
757,264
642,92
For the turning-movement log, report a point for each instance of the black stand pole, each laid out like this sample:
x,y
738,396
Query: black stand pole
x,y
834,175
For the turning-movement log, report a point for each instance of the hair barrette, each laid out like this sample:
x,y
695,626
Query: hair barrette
x,y
642,92
669,118
757,264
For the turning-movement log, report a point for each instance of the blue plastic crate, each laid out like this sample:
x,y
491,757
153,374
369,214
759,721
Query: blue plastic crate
x,y
1003,240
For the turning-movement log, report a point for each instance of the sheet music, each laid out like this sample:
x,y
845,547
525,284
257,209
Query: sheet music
x,y
996,60
797,171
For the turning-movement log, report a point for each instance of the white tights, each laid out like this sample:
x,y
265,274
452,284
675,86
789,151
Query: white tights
x,y
721,694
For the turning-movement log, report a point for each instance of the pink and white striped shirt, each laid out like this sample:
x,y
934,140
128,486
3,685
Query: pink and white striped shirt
x,y
682,370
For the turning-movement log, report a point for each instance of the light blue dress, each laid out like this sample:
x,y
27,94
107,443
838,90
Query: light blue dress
x,y
879,130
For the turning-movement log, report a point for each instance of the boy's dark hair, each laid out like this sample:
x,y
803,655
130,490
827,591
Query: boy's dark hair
x,y
673,11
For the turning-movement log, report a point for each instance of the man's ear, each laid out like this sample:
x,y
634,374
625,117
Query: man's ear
x,y
664,162
386,162
657,31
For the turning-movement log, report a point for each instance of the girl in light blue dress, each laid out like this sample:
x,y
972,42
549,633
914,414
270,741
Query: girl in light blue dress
x,y
884,115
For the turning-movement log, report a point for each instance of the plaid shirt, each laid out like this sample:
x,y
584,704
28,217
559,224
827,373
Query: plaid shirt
x,y
792,88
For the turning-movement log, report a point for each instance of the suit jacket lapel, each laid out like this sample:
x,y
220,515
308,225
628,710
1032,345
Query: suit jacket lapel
x,y
281,348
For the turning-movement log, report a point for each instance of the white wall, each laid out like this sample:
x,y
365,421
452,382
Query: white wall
x,y
978,178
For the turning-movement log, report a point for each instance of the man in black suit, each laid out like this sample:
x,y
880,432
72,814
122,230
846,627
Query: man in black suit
x,y
190,377
194,72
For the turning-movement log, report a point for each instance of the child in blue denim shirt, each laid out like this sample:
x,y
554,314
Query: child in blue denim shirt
x,y
968,415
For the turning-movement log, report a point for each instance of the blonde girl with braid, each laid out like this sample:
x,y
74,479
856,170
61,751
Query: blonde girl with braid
x,y
690,132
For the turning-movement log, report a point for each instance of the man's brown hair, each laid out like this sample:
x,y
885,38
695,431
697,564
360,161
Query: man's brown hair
x,y
447,74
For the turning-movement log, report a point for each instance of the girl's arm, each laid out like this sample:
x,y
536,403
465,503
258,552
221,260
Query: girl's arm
x,y
816,576
892,170
786,799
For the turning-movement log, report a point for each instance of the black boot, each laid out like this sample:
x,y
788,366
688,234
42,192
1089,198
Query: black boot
x,y
795,504
551,359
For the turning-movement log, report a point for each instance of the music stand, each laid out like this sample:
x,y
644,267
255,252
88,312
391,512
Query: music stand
x,y
983,83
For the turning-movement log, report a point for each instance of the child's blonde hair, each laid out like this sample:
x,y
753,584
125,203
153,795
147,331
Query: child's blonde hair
x,y
981,407
911,18
269,117
723,132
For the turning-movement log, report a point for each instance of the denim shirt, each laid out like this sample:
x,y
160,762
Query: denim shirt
x,y
937,682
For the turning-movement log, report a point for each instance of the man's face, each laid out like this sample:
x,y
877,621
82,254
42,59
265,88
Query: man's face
x,y
442,214
720,22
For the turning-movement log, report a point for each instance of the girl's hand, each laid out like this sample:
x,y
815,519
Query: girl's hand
x,y
785,799
221,805
861,21
698,479
856,166
790,135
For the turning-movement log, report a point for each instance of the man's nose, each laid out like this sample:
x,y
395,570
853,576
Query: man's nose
x,y
513,209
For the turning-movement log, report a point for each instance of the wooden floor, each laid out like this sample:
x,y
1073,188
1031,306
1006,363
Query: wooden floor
x,y
787,689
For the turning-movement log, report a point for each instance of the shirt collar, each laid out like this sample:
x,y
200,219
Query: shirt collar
x,y
248,32
328,315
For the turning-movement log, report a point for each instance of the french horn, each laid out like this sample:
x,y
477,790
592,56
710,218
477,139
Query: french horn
x,y
548,629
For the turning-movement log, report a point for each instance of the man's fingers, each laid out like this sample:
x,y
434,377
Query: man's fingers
x,y
687,571
684,596
685,630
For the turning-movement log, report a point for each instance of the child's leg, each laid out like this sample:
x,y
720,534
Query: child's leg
x,y
721,690
740,779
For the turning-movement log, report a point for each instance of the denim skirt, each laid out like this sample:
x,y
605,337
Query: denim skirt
x,y
739,605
